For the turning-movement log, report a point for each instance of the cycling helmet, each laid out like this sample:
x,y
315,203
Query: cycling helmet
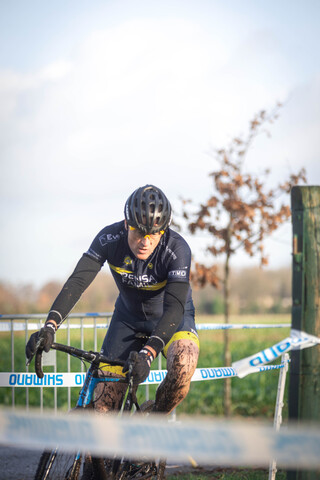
x,y
148,209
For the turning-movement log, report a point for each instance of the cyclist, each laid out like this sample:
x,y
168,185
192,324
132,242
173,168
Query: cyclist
x,y
150,264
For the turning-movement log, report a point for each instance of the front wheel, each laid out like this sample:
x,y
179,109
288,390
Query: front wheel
x,y
58,465
127,469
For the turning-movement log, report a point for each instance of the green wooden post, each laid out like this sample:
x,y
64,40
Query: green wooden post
x,y
304,387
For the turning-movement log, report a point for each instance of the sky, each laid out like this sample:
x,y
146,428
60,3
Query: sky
x,y
101,97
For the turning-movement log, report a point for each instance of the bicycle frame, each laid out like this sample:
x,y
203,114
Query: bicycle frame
x,y
87,392
49,460
89,385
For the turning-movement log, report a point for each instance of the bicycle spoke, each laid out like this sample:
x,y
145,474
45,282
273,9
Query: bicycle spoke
x,y
59,466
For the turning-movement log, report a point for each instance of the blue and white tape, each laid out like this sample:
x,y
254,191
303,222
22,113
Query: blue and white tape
x,y
20,326
23,379
240,326
207,441
241,368
297,341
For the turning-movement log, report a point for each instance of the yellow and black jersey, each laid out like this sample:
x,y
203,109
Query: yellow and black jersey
x,y
154,294
141,283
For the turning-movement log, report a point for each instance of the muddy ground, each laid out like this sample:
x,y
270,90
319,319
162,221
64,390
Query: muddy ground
x,y
18,464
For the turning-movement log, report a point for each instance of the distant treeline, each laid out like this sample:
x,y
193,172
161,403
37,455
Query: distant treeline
x,y
253,290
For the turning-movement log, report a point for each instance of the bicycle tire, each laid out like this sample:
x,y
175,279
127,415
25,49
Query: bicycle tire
x,y
151,470
58,465
100,469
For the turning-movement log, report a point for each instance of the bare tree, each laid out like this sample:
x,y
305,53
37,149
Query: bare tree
x,y
239,215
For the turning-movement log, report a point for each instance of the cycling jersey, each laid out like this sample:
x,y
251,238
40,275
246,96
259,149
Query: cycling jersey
x,y
141,283
154,290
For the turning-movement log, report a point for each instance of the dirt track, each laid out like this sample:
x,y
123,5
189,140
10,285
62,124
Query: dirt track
x,y
18,464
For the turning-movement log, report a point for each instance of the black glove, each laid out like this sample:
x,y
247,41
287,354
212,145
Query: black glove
x,y
46,335
141,368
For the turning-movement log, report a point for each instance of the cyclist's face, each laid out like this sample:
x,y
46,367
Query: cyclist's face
x,y
142,245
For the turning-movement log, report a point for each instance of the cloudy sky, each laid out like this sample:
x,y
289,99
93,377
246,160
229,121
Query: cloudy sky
x,y
100,97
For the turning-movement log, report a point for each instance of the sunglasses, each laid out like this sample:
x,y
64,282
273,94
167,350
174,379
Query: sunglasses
x,y
138,234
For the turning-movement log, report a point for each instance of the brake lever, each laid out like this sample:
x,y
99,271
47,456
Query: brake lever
x,y
133,356
37,347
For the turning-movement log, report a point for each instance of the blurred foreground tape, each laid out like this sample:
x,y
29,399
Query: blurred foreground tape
x,y
297,341
206,441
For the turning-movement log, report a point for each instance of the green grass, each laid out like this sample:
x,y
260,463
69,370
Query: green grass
x,y
226,474
252,396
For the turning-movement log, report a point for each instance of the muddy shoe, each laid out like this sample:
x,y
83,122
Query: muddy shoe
x,y
147,406
142,470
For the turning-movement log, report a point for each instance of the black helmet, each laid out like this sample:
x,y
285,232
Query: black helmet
x,y
148,209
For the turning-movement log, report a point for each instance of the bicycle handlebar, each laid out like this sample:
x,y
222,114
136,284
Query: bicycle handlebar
x,y
76,352
38,363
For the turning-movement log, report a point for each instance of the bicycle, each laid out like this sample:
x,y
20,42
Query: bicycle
x,y
59,465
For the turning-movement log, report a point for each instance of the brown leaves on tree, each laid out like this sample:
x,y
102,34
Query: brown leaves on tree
x,y
242,211
201,275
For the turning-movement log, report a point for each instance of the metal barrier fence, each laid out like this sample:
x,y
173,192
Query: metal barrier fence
x,y
17,325
21,325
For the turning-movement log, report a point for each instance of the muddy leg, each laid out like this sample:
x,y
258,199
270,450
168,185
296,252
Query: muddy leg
x,y
109,396
182,358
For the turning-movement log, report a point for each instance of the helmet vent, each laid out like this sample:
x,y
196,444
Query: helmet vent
x,y
148,209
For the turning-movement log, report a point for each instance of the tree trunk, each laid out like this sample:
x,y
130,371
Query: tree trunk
x,y
227,353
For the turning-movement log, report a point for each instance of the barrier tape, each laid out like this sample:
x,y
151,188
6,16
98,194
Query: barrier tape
x,y
240,326
297,341
73,379
206,441
41,316
20,326
241,368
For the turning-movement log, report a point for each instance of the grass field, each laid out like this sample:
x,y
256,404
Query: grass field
x,y
226,474
253,396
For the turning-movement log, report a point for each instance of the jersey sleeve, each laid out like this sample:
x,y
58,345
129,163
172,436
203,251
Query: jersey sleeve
x,y
98,248
106,242
175,296
180,263
173,309
86,270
